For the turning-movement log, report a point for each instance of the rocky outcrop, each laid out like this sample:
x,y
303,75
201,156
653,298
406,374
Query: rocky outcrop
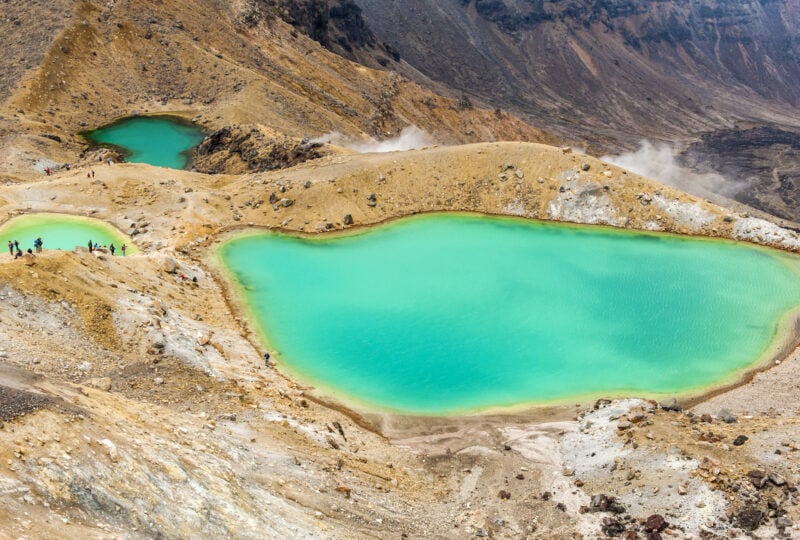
x,y
239,149
337,25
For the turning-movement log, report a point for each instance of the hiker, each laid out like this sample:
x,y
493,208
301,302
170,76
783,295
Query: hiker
x,y
47,171
89,174
38,244
91,246
18,255
92,173
16,246
266,359
112,249
11,247
124,248
108,160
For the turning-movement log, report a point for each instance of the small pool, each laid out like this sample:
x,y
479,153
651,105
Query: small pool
x,y
451,313
59,231
163,141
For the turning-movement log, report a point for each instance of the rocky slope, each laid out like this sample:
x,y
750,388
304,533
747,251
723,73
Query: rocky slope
x,y
610,73
99,61
135,403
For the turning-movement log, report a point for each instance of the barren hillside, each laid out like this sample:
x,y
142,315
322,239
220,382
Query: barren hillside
x,y
134,397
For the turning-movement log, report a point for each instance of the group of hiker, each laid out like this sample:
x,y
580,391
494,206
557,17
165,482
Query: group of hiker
x,y
15,251
111,248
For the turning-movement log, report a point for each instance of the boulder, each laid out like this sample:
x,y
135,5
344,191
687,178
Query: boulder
x,y
111,448
169,265
783,522
670,405
101,383
749,518
655,523
348,219
740,440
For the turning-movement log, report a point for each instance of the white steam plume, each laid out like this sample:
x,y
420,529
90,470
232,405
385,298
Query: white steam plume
x,y
410,138
651,161
657,161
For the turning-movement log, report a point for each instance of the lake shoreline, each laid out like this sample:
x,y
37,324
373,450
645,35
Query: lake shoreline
x,y
781,346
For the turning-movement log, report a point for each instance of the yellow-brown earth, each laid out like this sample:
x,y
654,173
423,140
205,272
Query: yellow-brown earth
x,y
134,403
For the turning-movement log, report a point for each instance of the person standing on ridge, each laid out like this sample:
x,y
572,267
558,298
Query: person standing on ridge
x,y
91,246
11,247
112,249
124,248
16,246
38,244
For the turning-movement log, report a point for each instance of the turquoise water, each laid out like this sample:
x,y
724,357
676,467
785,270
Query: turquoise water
x,y
60,232
157,140
443,314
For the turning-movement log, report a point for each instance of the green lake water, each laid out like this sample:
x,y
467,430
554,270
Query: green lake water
x,y
157,140
61,232
451,313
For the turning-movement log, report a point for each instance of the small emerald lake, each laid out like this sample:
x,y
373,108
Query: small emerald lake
x,y
59,231
448,314
163,141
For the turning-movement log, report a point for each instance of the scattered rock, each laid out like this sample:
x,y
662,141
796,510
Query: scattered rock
x,y
655,523
585,166
503,494
169,265
612,527
101,383
749,518
777,479
286,203
348,219
605,503
727,416
740,440
111,448
670,405
783,522
758,478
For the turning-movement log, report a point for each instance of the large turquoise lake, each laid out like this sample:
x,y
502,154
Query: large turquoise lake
x,y
448,314
158,140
